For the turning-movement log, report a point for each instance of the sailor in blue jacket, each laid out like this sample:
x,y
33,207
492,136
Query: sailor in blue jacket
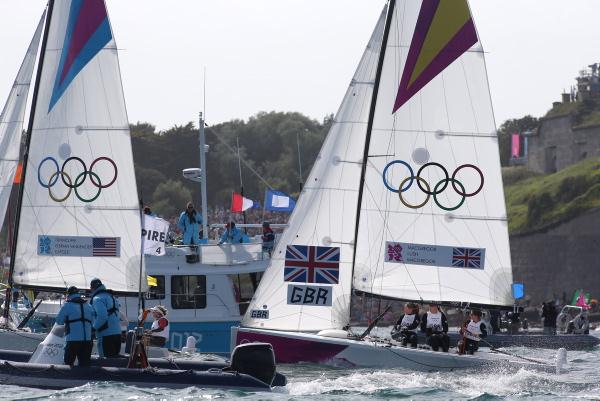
x,y
233,235
76,314
106,320
189,223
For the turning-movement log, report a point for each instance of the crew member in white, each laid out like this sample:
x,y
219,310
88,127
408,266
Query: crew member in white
x,y
159,331
435,326
404,329
473,331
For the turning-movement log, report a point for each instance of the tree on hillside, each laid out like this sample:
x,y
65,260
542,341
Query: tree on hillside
x,y
170,198
513,126
268,144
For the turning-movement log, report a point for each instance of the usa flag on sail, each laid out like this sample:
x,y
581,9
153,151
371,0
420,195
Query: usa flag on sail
x,y
466,257
312,264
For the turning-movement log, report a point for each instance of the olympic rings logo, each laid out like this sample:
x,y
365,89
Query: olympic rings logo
x,y
79,179
438,188
51,351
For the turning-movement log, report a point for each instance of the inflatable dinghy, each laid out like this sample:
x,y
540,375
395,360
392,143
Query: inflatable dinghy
x,y
251,368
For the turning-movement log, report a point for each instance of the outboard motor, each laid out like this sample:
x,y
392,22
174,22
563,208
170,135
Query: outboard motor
x,y
256,360
52,349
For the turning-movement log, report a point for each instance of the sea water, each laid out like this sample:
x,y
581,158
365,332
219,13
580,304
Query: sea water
x,y
327,383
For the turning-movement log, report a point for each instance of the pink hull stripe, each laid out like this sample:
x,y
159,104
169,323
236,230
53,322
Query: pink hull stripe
x,y
293,350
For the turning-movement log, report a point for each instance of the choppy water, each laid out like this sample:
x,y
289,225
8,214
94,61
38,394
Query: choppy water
x,y
314,382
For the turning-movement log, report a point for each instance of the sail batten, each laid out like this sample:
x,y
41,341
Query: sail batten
x,y
79,211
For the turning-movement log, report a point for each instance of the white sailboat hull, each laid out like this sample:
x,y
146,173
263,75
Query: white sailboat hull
x,y
294,347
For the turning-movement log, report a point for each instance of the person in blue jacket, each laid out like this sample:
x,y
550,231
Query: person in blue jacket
x,y
232,235
106,320
189,223
76,314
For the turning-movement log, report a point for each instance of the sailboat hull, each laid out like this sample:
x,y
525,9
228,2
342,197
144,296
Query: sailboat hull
x,y
294,347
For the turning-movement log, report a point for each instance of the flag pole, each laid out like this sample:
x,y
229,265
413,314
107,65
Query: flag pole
x,y
237,140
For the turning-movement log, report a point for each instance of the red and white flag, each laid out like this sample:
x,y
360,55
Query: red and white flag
x,y
240,204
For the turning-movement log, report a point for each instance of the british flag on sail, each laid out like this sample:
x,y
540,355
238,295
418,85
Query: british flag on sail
x,y
312,264
466,257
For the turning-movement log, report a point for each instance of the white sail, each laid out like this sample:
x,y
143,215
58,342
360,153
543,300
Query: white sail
x,y
79,213
324,216
11,121
433,106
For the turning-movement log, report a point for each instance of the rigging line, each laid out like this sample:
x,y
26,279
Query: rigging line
x,y
110,145
366,100
385,218
391,236
477,159
389,348
456,162
233,151
372,110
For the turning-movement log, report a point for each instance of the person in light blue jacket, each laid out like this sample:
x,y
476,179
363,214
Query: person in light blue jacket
x,y
106,320
76,314
189,223
233,235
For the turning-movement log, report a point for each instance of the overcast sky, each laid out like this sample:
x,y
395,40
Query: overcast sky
x,y
299,55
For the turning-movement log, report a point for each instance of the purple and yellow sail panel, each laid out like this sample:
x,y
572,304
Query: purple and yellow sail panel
x,y
444,31
88,31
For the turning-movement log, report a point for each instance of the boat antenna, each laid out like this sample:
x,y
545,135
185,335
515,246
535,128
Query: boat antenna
x,y
237,141
365,159
299,161
38,75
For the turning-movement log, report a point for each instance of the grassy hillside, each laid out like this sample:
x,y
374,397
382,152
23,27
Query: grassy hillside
x,y
537,202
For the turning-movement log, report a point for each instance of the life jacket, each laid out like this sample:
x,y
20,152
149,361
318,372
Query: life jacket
x,y
112,311
160,331
434,322
473,328
81,318
407,320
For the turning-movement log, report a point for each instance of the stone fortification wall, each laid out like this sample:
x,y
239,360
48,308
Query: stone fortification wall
x,y
557,144
559,260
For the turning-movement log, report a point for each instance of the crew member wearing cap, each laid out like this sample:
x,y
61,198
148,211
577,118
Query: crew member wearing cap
x,y
76,314
435,326
159,332
106,320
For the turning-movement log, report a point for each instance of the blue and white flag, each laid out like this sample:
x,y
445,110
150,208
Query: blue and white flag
x,y
277,201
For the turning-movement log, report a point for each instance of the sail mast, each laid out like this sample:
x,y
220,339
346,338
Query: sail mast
x,y
361,187
36,87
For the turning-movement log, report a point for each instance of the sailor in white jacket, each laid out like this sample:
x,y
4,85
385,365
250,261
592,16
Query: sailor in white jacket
x,y
473,331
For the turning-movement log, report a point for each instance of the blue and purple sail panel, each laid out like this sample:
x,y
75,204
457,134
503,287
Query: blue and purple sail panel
x,y
88,31
444,31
